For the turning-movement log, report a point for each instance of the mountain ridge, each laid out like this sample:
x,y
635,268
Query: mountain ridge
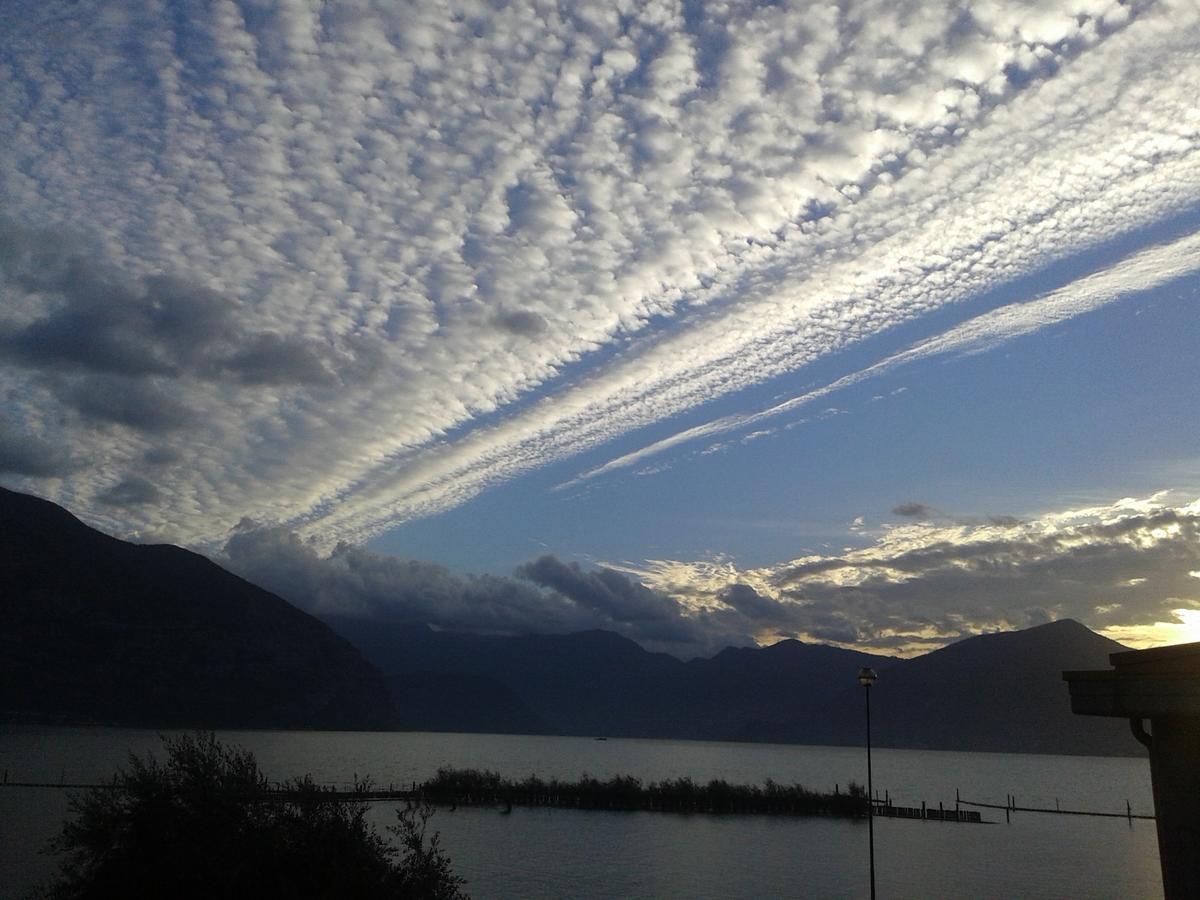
x,y
996,692
102,630
98,629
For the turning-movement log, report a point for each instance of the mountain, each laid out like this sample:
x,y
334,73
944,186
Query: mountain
x,y
94,629
597,682
97,629
744,687
995,692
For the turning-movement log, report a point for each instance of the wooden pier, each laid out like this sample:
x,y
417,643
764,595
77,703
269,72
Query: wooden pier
x,y
887,811
1011,807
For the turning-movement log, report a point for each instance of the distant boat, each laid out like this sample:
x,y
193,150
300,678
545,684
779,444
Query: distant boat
x,y
602,739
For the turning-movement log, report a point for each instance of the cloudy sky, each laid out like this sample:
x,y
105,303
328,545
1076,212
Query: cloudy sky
x,y
871,322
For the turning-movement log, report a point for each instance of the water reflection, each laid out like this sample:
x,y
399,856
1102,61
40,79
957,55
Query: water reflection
x,y
535,853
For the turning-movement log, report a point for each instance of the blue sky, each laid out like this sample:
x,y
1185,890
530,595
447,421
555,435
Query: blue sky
x,y
744,314
1087,411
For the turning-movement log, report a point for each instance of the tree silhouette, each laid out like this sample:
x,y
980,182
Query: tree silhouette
x,y
207,823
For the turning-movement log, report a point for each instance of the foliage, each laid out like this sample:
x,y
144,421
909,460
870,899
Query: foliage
x,y
475,786
207,823
424,870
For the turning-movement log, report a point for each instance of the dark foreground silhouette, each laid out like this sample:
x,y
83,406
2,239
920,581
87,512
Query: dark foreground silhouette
x,y
207,823
474,787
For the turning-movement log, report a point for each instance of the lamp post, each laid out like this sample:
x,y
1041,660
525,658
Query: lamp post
x,y
867,677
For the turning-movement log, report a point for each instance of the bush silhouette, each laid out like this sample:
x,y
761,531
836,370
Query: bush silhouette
x,y
485,787
207,823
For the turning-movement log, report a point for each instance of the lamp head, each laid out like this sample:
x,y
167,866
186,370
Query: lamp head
x,y
866,677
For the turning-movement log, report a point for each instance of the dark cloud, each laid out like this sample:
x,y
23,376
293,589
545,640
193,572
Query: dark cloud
x,y
614,596
136,352
106,323
751,603
132,490
273,359
522,322
748,612
102,321
913,510
25,454
546,596
142,405
354,581
834,629
161,456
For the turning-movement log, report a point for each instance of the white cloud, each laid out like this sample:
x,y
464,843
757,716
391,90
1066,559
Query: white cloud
x,y
1142,271
453,228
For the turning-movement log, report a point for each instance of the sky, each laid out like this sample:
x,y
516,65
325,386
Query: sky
x,y
870,323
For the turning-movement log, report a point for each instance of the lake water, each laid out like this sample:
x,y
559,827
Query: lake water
x,y
549,853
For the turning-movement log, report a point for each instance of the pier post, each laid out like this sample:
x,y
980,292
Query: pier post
x,y
866,678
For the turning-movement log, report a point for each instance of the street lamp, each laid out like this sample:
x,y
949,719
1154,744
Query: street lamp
x,y
867,677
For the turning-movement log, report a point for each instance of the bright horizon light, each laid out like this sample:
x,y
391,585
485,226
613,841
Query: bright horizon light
x,y
1185,630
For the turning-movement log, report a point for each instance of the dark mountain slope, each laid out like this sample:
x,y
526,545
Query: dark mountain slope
x,y
599,683
98,629
996,692
592,682
787,680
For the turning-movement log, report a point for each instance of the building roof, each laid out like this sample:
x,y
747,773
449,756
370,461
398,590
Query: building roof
x,y
1160,682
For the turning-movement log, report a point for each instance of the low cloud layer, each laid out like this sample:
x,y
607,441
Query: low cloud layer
x,y
338,267
919,586
543,596
915,587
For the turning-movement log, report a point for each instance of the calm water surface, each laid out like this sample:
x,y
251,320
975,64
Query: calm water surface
x,y
546,853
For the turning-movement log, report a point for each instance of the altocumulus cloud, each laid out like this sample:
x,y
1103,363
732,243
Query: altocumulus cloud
x,y
360,259
1146,269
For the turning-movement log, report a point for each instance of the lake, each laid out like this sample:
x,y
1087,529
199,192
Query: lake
x,y
551,853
